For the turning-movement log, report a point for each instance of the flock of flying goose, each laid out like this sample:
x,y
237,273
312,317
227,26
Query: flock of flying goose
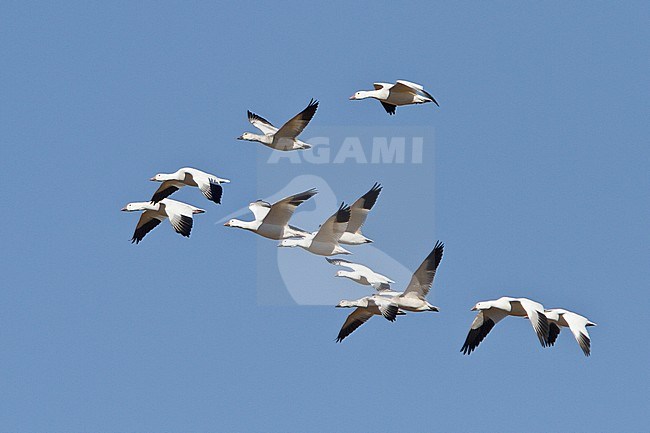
x,y
343,227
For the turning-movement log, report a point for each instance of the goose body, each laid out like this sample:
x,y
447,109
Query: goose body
x,y
400,93
284,138
577,324
365,308
209,184
179,214
362,274
491,312
414,296
390,303
324,242
272,220
358,214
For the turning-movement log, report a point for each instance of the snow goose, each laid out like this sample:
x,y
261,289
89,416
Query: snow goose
x,y
362,274
325,242
366,307
390,303
209,184
179,214
576,323
491,312
392,95
272,220
285,137
359,213
414,297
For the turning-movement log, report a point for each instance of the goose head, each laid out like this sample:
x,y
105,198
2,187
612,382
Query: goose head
x,y
234,223
160,177
345,304
346,274
290,242
480,306
135,206
247,136
361,94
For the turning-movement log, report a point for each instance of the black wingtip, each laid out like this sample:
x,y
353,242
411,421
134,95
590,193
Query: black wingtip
x,y
467,349
184,226
585,344
370,198
303,196
142,231
542,322
308,113
343,214
435,256
391,313
553,332
252,117
390,108
476,336
160,195
214,192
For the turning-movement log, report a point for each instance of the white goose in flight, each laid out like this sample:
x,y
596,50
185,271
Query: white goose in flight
x,y
209,184
284,138
179,214
272,220
491,312
576,323
413,299
393,95
362,274
365,308
390,303
324,242
359,213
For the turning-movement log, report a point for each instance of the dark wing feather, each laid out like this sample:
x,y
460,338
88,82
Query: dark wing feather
x,y
213,192
390,312
542,329
476,335
297,123
145,225
253,117
282,210
182,225
357,318
423,277
343,214
429,95
390,108
585,343
553,332
370,198
163,192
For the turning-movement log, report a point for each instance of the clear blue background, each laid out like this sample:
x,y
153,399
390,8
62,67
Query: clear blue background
x,y
542,190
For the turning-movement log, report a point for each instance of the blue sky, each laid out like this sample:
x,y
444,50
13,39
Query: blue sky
x,y
539,189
